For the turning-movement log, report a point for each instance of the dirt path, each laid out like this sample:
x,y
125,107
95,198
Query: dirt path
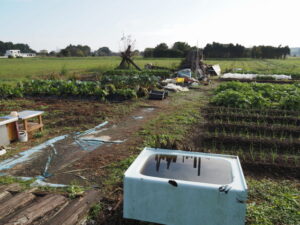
x,y
67,161
92,166
124,131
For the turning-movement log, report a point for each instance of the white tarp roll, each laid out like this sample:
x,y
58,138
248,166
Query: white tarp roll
x,y
253,76
217,69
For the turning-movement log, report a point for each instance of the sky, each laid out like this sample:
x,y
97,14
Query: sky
x,y
54,24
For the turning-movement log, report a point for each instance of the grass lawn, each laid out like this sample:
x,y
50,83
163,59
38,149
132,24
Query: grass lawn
x,y
17,69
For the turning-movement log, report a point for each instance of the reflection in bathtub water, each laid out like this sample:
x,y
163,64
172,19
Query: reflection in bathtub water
x,y
189,168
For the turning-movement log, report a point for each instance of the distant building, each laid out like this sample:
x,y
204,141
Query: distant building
x,y
295,52
17,53
13,53
43,52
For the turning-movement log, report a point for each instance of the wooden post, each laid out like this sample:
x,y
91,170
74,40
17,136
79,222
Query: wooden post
x,y
25,123
41,123
136,66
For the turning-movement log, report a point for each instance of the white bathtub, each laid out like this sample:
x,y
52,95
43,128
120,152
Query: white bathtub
x,y
185,188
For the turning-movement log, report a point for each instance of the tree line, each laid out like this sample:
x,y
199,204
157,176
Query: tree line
x,y
218,50
270,52
178,50
4,46
70,50
162,50
84,50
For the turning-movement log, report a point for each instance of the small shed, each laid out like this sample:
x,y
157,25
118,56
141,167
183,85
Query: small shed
x,y
13,53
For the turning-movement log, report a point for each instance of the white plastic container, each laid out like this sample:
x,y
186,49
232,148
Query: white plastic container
x,y
2,151
185,188
23,136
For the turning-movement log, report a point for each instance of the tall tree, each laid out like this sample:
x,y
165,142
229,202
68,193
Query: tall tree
x,y
161,50
77,51
148,52
103,51
183,47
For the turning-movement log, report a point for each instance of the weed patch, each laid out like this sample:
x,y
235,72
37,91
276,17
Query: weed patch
x,y
273,202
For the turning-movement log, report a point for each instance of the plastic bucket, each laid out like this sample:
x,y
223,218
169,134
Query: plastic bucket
x,y
23,136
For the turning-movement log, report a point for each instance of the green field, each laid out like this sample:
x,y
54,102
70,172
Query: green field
x,y
16,69
261,66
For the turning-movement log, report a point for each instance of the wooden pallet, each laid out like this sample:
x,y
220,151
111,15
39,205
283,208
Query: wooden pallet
x,y
32,207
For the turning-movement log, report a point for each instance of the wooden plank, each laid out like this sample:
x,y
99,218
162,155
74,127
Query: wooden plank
x,y
12,131
5,195
28,114
76,210
15,187
33,126
15,203
38,210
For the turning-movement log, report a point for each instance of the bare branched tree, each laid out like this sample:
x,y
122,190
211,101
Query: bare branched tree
x,y
127,51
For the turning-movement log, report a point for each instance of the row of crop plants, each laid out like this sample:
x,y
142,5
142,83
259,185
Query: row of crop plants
x,y
258,95
255,121
109,87
162,73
